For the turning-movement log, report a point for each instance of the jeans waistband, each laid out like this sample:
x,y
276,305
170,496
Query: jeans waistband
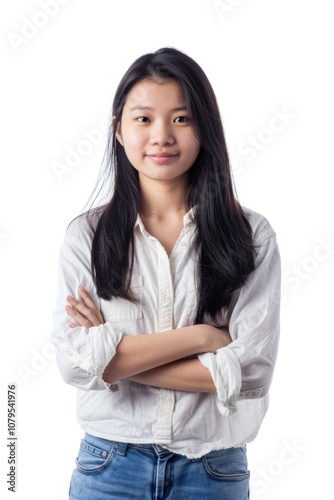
x,y
121,448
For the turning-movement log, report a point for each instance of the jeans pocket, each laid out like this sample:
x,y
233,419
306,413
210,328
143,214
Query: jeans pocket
x,y
92,459
227,465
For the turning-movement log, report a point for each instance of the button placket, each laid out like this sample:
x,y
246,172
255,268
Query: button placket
x,y
165,322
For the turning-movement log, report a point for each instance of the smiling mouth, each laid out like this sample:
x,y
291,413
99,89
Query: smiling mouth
x,y
162,154
162,157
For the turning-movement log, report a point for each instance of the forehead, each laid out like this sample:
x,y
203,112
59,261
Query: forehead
x,y
152,93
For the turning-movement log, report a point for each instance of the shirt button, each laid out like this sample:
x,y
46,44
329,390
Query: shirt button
x,y
168,399
113,387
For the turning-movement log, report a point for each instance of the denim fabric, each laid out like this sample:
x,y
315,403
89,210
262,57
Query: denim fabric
x,y
109,470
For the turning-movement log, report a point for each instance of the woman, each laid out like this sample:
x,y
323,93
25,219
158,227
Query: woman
x,y
170,331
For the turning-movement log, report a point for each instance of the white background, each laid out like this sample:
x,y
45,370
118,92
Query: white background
x,y
59,73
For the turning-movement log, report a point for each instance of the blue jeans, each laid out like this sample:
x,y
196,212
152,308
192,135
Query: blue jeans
x,y
109,470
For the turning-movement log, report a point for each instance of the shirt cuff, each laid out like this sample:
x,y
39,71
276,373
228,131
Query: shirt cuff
x,y
226,374
111,387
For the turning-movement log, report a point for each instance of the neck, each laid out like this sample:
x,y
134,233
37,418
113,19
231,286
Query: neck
x,y
163,198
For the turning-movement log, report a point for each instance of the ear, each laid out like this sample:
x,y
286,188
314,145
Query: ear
x,y
118,130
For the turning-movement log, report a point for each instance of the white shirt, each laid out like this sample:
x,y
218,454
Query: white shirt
x,y
191,424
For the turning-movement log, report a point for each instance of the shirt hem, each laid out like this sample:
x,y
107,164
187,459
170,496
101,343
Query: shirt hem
x,y
176,450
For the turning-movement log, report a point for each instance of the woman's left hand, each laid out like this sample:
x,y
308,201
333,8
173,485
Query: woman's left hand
x,y
84,313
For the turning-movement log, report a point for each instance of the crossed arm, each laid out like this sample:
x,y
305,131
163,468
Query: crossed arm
x,y
159,359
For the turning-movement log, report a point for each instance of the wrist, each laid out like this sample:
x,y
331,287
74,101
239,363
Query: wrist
x,y
204,337
208,333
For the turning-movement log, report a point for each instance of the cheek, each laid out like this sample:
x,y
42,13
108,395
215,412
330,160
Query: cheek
x,y
193,147
133,142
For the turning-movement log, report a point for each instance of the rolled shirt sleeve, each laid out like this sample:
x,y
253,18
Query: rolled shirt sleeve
x,y
244,369
82,353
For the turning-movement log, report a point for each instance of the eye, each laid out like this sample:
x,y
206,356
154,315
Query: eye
x,y
143,119
182,119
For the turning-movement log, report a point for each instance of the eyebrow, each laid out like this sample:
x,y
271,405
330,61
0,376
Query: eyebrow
x,y
145,108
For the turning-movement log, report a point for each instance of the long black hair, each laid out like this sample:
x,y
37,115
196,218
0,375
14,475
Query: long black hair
x,y
224,240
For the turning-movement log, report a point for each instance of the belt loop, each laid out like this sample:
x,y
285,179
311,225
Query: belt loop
x,y
120,448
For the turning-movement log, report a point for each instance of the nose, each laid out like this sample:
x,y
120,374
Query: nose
x,y
162,134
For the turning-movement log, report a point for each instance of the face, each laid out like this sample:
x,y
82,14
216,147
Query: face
x,y
156,131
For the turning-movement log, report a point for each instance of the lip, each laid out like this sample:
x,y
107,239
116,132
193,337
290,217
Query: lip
x,y
162,157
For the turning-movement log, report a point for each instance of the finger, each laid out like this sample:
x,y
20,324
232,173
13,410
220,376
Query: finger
x,y
72,325
82,308
84,312
91,304
87,298
80,319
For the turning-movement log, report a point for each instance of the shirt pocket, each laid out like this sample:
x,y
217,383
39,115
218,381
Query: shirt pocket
x,y
117,310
